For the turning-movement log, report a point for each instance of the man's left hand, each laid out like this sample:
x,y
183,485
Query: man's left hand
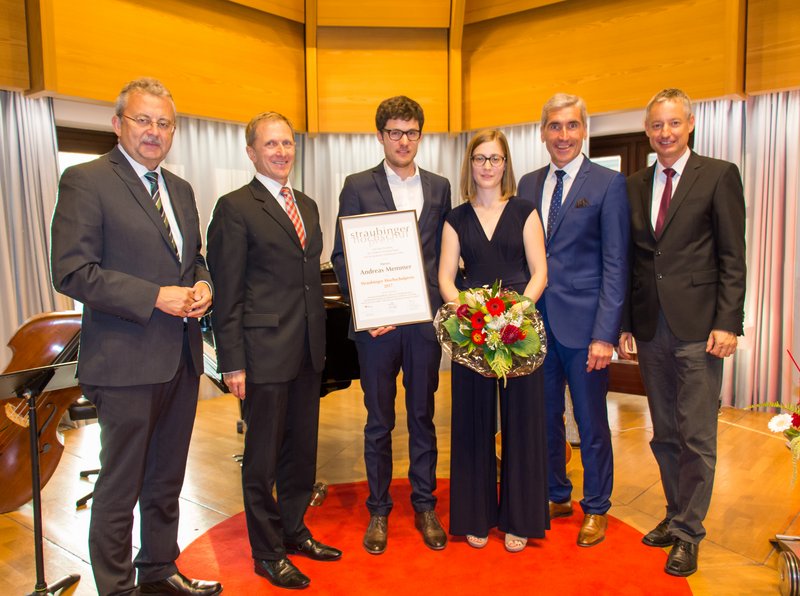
x,y
202,300
600,353
721,343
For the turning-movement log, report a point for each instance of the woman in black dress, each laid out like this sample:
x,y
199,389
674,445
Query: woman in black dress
x,y
498,237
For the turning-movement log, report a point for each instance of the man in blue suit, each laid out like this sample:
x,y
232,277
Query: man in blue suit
x,y
398,184
585,213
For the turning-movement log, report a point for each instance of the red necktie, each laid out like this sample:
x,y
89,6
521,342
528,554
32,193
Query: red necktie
x,y
666,196
291,211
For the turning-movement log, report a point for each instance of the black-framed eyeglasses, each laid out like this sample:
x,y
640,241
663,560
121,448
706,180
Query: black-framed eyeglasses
x,y
493,159
145,122
396,134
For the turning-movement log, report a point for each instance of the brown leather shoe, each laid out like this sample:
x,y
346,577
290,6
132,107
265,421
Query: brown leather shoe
x,y
593,529
433,535
375,537
560,509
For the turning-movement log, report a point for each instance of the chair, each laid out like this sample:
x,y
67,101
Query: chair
x,y
83,409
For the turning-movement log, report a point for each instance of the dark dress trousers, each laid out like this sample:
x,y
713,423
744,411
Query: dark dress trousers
x,y
269,320
587,272
688,282
138,365
413,348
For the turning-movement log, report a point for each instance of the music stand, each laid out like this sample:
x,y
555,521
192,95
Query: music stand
x,y
28,385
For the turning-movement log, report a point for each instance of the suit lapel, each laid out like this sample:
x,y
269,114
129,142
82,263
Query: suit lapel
x,y
379,176
123,169
427,195
646,197
179,208
574,191
687,180
274,210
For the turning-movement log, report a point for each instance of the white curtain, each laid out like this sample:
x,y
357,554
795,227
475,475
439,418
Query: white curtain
x,y
212,157
28,188
720,133
772,184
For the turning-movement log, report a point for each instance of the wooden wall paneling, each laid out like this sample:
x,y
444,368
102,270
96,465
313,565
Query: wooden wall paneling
x,y
312,86
288,9
454,74
773,45
219,59
615,53
384,13
13,46
360,67
481,10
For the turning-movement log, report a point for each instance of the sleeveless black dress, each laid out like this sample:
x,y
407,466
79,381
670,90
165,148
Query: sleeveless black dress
x,y
522,507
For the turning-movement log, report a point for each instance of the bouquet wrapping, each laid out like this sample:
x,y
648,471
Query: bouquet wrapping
x,y
494,331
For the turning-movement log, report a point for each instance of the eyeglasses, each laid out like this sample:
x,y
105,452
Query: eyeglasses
x,y
145,122
493,159
396,134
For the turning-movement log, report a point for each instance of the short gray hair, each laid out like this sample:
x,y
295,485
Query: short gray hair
x,y
560,101
147,85
671,94
252,126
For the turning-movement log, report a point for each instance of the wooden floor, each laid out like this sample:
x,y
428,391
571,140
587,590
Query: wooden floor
x,y
752,499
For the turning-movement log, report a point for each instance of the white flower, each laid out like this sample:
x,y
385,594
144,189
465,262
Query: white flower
x,y
780,423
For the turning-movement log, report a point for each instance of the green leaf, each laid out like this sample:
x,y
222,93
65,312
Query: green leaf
x,y
453,329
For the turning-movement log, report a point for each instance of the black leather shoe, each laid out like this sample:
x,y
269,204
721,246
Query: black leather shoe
x,y
433,535
682,560
182,585
314,549
282,574
375,536
659,536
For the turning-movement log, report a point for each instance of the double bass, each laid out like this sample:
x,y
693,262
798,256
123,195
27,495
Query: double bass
x,y
45,339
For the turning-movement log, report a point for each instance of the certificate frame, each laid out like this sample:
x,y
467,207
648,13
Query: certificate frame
x,y
385,269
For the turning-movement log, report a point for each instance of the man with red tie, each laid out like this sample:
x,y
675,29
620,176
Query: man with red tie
x,y
264,244
685,308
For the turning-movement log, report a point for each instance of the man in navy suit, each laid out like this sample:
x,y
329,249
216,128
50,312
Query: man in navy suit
x,y
585,213
398,184
686,310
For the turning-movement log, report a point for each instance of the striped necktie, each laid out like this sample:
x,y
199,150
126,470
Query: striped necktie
x,y
155,194
291,211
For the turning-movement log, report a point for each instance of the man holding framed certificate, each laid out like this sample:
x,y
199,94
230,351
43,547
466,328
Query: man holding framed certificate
x,y
397,184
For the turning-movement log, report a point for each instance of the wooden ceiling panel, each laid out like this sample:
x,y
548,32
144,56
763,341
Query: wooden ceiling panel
x,y
13,46
294,10
481,10
384,13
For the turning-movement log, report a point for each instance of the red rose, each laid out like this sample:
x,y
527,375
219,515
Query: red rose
x,y
463,311
510,334
522,334
796,420
495,306
478,321
478,337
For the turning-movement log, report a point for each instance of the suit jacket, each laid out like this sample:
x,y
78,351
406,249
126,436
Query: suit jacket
x,y
110,251
695,273
267,289
369,192
587,255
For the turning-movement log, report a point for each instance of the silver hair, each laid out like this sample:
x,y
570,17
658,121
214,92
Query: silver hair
x,y
560,101
147,85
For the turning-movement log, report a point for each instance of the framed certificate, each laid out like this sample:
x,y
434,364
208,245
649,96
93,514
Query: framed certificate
x,y
385,272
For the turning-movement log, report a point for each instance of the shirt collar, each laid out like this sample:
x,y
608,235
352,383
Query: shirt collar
x,y
678,166
137,167
571,168
272,185
392,176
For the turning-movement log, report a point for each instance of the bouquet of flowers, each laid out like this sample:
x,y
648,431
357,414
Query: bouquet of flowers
x,y
787,423
494,331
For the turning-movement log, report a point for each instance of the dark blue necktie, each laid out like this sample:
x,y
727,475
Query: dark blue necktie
x,y
555,202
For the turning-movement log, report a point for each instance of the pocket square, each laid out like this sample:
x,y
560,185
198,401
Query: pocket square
x,y
581,204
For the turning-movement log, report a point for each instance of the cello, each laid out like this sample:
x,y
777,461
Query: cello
x,y
44,339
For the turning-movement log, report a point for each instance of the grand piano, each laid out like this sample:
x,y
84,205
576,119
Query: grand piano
x,y
341,358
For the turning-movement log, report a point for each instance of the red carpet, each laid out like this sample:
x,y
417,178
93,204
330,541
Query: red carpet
x,y
555,565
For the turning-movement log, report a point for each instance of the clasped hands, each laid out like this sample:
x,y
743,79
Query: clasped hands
x,y
720,344
184,302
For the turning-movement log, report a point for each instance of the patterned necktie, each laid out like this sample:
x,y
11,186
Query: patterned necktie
x,y
666,197
155,194
555,202
291,211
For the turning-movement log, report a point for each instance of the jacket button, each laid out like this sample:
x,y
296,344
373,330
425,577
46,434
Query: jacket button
x,y
658,253
659,276
307,288
305,259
